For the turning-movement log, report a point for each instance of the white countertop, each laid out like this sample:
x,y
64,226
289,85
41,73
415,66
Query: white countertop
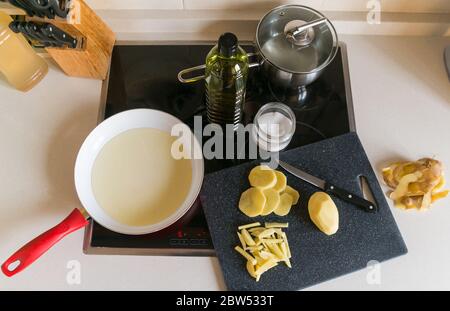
x,y
401,96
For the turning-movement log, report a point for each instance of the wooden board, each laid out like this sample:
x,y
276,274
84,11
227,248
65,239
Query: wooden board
x,y
362,237
93,60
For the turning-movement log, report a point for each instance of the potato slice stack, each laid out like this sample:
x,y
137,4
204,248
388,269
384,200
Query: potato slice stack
x,y
415,184
269,193
263,247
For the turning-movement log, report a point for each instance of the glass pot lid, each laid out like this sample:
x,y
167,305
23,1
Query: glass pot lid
x,y
294,51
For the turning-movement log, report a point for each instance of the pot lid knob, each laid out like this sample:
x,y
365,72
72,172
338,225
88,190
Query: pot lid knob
x,y
302,33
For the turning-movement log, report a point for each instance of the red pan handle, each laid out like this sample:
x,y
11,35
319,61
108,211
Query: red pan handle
x,y
37,247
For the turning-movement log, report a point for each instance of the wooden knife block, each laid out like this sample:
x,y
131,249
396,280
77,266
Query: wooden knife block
x,y
93,58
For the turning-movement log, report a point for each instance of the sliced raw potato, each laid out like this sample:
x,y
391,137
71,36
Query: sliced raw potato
x,y
262,177
251,269
272,201
270,247
252,202
276,225
285,205
245,255
293,193
281,182
324,213
247,238
255,224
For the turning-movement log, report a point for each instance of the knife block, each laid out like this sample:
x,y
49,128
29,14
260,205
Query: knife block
x,y
92,58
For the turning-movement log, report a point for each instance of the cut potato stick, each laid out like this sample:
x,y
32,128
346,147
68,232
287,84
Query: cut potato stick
x,y
255,233
247,238
258,241
263,247
269,264
273,241
246,255
266,233
276,250
266,255
254,248
288,249
284,249
241,239
253,229
288,263
276,225
255,224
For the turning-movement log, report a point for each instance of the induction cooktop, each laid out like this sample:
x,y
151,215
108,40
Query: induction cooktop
x,y
145,76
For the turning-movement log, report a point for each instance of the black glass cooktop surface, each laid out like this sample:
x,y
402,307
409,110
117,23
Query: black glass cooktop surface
x,y
146,77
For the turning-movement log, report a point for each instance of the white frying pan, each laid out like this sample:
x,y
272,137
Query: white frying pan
x,y
108,129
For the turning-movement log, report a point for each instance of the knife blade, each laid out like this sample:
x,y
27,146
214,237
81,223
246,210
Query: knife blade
x,y
330,188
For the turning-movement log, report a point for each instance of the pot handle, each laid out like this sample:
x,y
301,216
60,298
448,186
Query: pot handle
x,y
188,70
202,67
251,65
37,247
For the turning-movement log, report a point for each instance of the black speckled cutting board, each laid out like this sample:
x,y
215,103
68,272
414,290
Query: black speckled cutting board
x,y
316,257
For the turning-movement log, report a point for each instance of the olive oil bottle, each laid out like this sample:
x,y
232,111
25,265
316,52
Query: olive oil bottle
x,y
226,74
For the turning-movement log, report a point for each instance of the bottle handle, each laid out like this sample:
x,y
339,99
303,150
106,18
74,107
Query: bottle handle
x,y
188,70
202,67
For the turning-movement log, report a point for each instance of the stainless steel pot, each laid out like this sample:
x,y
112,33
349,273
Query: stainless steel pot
x,y
294,45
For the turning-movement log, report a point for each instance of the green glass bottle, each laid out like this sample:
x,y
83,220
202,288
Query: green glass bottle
x,y
226,74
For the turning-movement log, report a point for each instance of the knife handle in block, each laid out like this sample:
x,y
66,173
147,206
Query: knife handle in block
x,y
92,60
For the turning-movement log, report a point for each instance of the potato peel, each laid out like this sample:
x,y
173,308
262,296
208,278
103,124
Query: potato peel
x,y
415,185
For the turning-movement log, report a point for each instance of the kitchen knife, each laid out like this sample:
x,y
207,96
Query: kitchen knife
x,y
31,32
49,7
331,188
53,32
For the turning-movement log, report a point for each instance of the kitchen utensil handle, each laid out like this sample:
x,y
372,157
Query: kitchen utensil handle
x,y
37,247
202,67
351,198
300,29
251,65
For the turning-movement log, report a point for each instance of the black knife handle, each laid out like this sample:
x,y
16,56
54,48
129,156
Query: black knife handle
x,y
351,198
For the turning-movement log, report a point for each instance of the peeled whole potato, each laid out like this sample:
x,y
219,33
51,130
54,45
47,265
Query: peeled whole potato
x,y
272,201
285,205
324,213
252,202
281,184
293,193
262,177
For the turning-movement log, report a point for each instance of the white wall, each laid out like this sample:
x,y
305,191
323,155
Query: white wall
x,y
422,6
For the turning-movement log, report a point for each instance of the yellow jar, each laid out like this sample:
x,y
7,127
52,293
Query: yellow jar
x,y
19,63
